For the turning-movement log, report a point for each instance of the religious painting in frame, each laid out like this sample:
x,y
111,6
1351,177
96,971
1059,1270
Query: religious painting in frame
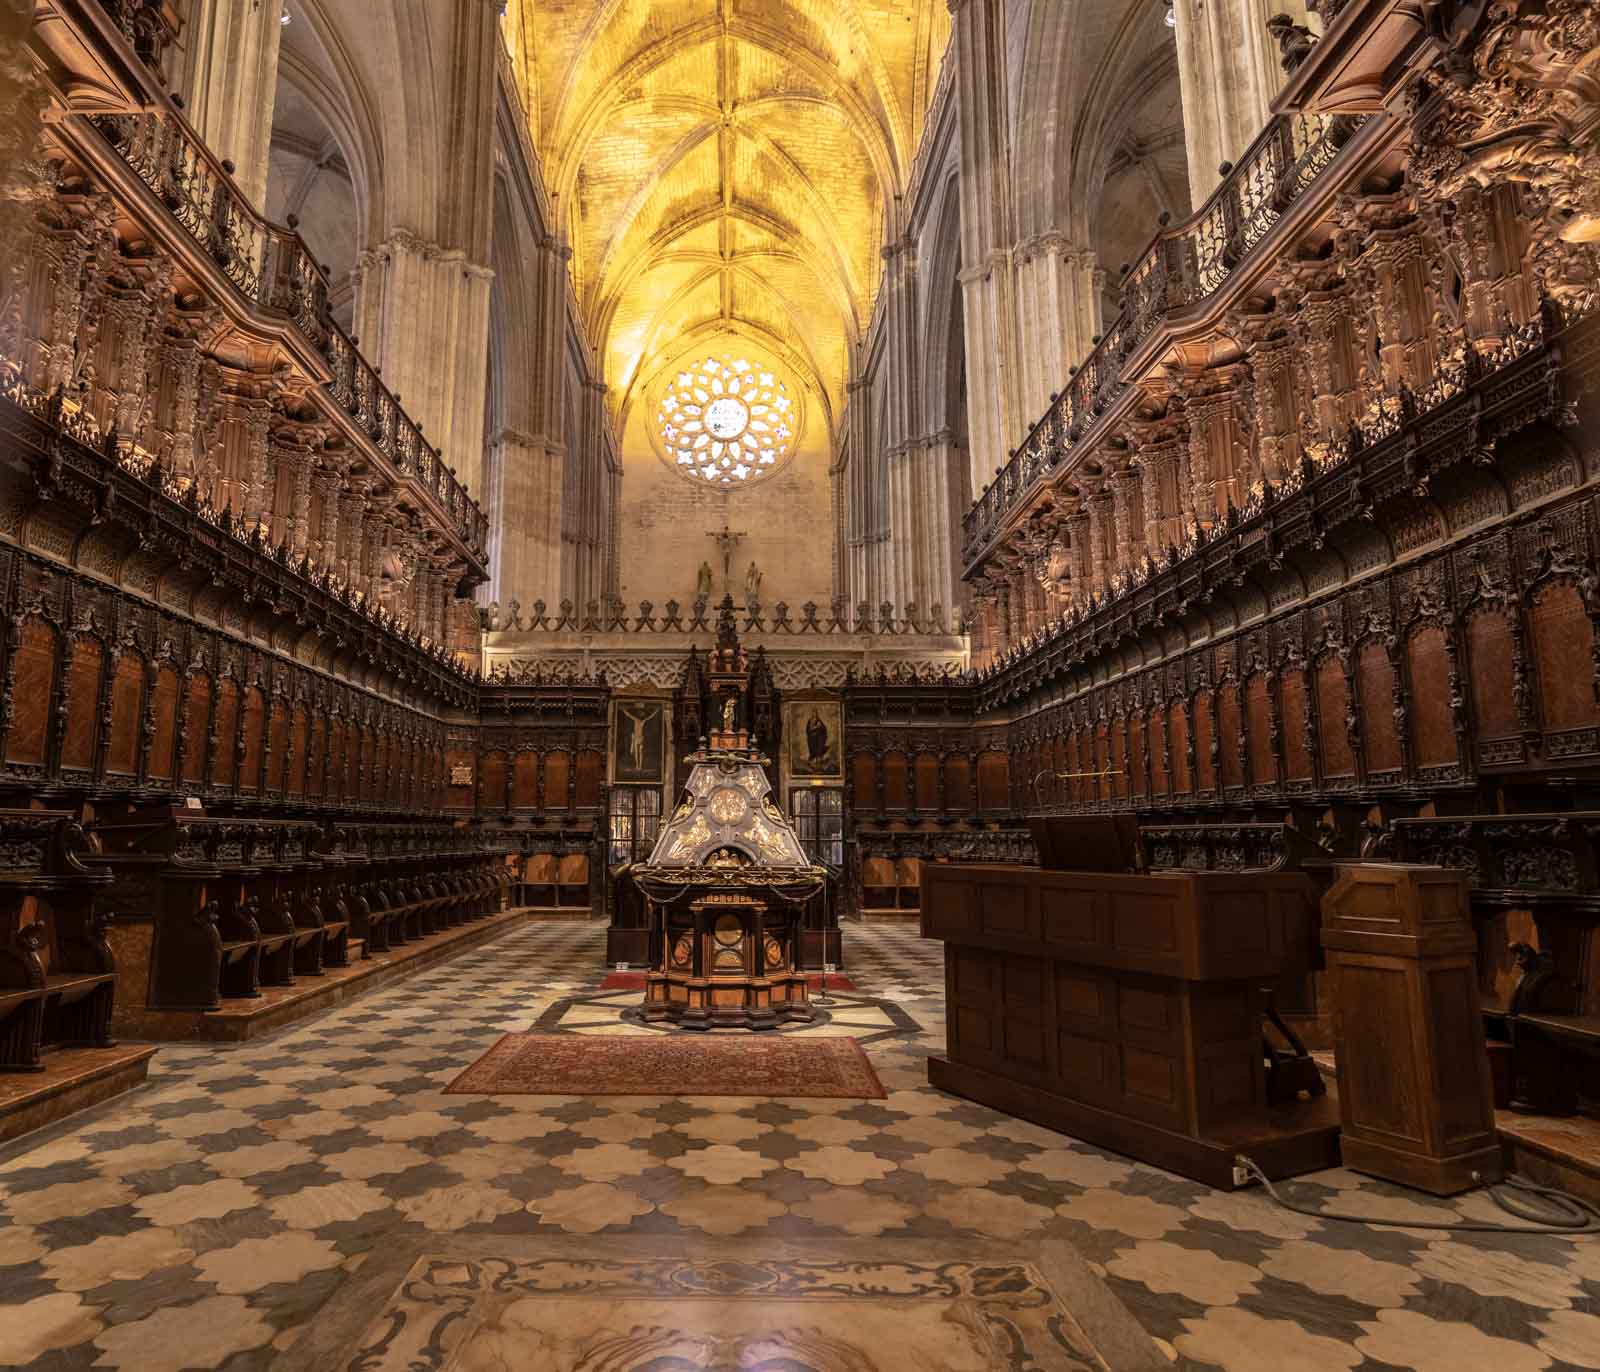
x,y
813,734
639,742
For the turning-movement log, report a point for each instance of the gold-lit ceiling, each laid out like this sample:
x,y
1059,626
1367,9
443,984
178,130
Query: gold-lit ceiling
x,y
726,167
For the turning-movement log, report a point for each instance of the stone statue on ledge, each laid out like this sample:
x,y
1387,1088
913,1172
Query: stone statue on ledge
x,y
752,585
702,582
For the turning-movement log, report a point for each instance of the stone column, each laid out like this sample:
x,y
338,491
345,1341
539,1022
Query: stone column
x,y
1229,71
422,314
988,284
528,477
229,79
1058,315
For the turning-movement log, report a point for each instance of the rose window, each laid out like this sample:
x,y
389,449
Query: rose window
x,y
725,421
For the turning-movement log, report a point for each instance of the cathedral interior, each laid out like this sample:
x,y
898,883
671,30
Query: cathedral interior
x,y
800,685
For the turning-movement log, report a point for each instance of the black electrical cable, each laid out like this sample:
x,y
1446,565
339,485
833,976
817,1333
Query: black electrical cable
x,y
1546,1209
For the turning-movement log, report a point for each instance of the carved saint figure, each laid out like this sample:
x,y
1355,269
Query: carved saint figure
x,y
728,707
702,582
752,585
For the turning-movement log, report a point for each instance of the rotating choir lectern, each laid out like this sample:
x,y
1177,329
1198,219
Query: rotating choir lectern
x,y
1125,1007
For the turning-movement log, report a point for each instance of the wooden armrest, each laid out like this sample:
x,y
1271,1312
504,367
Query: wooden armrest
x,y
10,1000
1585,1028
67,981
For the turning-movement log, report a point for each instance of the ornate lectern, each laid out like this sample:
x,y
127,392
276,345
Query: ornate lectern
x,y
726,881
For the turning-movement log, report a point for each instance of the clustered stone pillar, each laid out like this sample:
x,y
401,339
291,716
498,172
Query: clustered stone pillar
x,y
229,79
1229,71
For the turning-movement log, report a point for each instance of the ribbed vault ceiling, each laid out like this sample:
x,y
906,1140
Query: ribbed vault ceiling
x,y
727,166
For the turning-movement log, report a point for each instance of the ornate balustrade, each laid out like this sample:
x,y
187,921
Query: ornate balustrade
x,y
275,274
1185,266
615,616
1395,452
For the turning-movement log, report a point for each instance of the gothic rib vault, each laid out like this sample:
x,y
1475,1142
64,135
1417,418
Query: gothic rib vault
x,y
727,167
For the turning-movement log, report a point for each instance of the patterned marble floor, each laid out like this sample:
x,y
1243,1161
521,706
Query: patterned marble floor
x,y
205,1221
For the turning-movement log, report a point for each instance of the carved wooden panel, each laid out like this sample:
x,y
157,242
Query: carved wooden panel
x,y
255,723
1178,733
1138,785
864,782
1296,755
557,767
1159,780
1433,730
1563,654
352,761
127,714
591,775
993,782
1205,764
462,778
277,743
958,785
164,709
1375,687
83,703
492,781
222,757
299,737
927,782
369,764
1258,727
1333,735
35,679
317,760
197,724
1491,687
896,780
525,784
1229,729
1118,760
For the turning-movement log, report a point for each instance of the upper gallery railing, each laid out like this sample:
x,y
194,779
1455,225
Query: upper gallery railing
x,y
273,269
1184,266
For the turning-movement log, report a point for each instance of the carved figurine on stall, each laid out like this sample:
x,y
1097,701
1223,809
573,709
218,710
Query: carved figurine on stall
x,y
1295,41
728,708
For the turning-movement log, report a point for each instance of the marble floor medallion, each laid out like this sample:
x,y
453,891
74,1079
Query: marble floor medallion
x,y
673,1315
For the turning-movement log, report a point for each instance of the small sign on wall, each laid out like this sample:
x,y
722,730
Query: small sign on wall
x,y
461,774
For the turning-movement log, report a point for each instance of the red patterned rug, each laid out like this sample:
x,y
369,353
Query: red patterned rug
x,y
634,981
671,1065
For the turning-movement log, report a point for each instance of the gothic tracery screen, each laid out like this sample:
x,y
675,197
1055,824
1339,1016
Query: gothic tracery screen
x,y
726,421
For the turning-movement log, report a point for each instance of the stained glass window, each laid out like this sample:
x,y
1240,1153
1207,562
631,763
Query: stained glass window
x,y
725,420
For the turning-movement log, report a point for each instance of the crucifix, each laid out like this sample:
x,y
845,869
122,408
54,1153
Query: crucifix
x,y
727,541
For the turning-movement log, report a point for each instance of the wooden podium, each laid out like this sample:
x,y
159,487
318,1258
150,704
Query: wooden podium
x,y
1125,1008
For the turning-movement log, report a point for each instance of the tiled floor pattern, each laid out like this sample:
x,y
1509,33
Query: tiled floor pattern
x,y
204,1221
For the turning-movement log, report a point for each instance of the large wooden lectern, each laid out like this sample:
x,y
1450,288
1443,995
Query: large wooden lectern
x,y
1125,1007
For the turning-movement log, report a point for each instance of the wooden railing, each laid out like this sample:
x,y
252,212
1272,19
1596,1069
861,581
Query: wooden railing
x,y
274,271
1184,266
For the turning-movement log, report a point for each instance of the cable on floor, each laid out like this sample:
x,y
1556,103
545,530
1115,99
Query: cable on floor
x,y
1546,1209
